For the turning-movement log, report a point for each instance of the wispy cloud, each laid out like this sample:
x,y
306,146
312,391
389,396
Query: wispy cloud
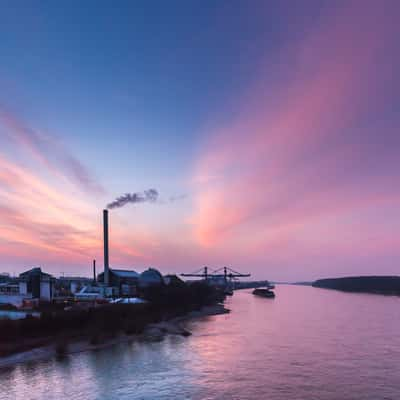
x,y
42,223
43,220
303,149
48,151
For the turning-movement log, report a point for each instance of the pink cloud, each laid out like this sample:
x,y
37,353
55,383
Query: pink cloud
x,y
48,151
43,222
303,149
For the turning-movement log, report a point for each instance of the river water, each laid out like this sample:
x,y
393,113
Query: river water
x,y
307,343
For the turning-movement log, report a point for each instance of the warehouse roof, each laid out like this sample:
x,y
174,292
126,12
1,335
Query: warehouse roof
x,y
122,273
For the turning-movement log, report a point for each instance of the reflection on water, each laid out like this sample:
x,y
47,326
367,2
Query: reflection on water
x,y
307,343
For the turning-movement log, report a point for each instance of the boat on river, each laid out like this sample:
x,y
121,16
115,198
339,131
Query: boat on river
x,y
264,292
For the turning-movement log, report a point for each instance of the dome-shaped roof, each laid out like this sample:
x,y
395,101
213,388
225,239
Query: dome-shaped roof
x,y
150,277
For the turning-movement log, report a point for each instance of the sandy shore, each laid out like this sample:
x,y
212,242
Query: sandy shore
x,y
154,331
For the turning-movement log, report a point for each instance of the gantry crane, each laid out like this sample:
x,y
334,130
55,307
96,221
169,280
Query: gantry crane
x,y
228,274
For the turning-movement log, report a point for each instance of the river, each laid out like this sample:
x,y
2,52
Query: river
x,y
307,343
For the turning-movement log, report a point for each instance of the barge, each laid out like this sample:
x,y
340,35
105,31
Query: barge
x,y
268,293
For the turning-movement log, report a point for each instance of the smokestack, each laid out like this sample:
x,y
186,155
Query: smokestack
x,y
94,270
106,265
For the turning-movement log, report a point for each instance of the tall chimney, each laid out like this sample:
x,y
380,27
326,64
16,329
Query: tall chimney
x,y
94,271
106,265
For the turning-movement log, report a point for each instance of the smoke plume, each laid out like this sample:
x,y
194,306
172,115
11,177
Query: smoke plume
x,y
148,196
172,199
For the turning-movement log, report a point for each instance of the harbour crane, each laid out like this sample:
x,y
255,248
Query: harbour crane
x,y
225,273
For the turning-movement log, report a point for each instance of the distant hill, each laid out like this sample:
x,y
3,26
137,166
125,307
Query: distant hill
x,y
367,284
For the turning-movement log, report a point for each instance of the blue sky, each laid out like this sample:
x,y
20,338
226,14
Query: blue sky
x,y
186,97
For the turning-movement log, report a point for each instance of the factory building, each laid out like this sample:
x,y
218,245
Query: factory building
x,y
173,280
30,285
150,277
4,277
9,293
124,281
67,285
36,284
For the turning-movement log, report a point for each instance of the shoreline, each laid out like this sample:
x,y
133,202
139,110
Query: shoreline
x,y
153,331
174,326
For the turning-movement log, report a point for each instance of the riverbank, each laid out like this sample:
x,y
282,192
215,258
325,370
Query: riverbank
x,y
175,326
153,331
99,323
385,285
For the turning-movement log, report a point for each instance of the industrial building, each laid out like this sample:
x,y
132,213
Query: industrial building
x,y
4,277
150,277
126,282
172,279
67,285
33,284
37,284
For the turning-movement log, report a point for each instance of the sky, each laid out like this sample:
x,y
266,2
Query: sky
x,y
269,129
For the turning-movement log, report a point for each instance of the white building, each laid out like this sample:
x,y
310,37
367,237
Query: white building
x,y
36,284
10,294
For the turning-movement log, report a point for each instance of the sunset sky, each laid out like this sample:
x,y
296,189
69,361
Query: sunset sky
x,y
270,129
